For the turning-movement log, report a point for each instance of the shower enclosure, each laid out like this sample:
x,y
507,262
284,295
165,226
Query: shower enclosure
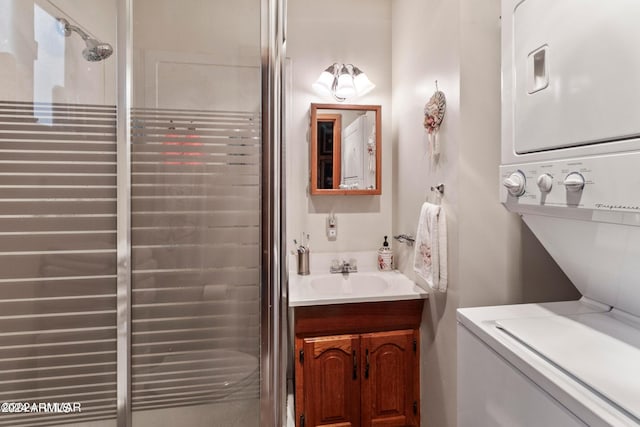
x,y
140,213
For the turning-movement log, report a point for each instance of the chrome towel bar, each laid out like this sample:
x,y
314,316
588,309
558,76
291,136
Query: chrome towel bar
x,y
405,238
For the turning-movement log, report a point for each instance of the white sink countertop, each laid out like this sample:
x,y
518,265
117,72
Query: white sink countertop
x,y
367,285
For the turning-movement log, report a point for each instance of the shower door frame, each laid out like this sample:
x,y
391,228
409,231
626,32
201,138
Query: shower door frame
x,y
124,81
273,271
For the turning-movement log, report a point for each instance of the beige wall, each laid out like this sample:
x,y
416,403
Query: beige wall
x,y
319,34
493,258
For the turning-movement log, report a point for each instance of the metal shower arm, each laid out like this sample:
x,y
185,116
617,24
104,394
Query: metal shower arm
x,y
67,29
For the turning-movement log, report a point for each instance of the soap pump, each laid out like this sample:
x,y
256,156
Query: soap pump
x,y
385,257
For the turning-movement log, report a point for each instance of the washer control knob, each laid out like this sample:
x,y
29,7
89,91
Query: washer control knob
x,y
516,184
545,182
574,182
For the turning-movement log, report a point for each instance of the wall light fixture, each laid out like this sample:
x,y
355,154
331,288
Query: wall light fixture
x,y
343,81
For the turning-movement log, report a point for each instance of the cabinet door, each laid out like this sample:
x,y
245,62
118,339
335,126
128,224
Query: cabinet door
x,y
331,381
390,379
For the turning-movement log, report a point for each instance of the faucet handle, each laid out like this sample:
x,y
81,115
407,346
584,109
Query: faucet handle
x,y
335,265
338,266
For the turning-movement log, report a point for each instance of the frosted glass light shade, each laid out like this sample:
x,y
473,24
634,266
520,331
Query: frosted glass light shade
x,y
345,88
324,84
362,84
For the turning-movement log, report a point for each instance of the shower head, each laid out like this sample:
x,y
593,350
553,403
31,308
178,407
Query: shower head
x,y
95,50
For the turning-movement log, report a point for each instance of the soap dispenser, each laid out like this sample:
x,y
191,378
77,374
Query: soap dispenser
x,y
385,257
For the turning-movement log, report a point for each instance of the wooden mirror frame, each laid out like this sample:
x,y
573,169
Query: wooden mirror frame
x,y
313,146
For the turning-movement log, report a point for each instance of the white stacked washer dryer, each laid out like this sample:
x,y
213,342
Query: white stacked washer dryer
x,y
571,168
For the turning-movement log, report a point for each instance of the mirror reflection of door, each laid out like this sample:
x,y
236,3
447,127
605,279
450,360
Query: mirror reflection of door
x,y
329,151
353,158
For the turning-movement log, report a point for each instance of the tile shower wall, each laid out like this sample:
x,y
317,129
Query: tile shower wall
x,y
320,33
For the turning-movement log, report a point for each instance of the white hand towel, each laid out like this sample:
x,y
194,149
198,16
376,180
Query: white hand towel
x,y
430,258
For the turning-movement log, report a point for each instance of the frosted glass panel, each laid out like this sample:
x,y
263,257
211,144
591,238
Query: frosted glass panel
x,y
57,216
196,151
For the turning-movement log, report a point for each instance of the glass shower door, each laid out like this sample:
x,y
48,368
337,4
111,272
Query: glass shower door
x,y
195,213
194,238
57,213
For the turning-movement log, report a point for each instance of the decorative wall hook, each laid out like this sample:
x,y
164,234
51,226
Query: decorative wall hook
x,y
433,115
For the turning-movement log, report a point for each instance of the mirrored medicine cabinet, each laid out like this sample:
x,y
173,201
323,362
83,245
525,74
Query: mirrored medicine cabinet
x,y
345,149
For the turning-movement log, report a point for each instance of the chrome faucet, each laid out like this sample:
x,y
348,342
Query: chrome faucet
x,y
344,267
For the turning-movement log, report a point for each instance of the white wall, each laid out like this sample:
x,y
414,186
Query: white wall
x,y
493,258
425,49
319,34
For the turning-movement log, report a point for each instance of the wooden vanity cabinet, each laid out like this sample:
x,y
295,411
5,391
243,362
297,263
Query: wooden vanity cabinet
x,y
332,387
390,383
358,364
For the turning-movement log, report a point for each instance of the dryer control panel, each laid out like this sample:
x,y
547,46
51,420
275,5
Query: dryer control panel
x,y
610,183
